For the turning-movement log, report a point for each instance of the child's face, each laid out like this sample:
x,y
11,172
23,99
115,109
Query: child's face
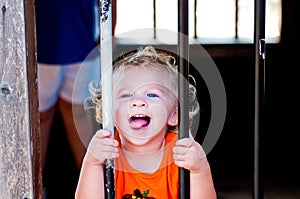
x,y
144,105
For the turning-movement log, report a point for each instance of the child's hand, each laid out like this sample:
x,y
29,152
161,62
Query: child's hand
x,y
190,155
102,147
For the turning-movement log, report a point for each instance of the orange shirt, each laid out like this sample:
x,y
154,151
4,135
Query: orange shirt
x,y
163,184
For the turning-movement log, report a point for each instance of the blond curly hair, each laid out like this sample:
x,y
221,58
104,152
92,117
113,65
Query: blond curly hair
x,y
145,57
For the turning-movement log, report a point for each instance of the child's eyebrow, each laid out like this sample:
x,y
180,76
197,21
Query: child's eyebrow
x,y
123,90
156,86
156,90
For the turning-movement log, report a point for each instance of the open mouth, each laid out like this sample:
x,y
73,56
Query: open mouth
x,y
139,121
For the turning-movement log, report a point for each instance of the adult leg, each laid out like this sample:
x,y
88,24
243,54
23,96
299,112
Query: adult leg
x,y
79,124
79,127
46,120
49,79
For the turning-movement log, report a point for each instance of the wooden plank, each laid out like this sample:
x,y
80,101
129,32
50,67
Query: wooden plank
x,y
34,116
20,173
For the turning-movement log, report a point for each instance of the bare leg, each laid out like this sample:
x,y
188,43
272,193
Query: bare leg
x,y
46,119
79,127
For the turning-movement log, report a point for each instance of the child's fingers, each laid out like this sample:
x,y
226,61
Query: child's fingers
x,y
95,158
188,160
182,164
103,133
183,146
108,155
104,136
102,147
180,150
189,145
186,142
109,142
189,154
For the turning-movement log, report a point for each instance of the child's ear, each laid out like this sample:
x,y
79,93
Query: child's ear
x,y
173,119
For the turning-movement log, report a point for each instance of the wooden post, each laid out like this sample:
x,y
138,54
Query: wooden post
x,y
20,166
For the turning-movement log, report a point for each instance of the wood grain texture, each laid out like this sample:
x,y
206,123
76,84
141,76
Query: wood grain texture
x,y
18,108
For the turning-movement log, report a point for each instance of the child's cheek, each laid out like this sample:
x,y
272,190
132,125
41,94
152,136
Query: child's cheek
x,y
121,112
159,112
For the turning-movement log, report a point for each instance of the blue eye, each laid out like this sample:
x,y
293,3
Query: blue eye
x,y
126,95
152,95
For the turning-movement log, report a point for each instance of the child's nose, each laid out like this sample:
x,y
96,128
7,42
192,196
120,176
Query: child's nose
x,y
138,102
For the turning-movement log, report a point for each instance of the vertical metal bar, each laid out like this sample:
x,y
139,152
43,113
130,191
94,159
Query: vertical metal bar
x,y
183,68
236,19
195,18
154,19
106,80
260,52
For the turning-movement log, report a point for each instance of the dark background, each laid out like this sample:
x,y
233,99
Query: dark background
x,y
232,158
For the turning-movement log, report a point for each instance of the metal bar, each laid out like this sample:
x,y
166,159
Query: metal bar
x,y
236,19
183,68
106,84
154,19
259,39
195,18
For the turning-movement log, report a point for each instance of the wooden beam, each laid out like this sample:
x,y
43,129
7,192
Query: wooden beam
x,y
20,167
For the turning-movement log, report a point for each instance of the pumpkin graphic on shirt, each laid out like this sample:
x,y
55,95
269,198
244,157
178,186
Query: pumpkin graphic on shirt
x,y
138,195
